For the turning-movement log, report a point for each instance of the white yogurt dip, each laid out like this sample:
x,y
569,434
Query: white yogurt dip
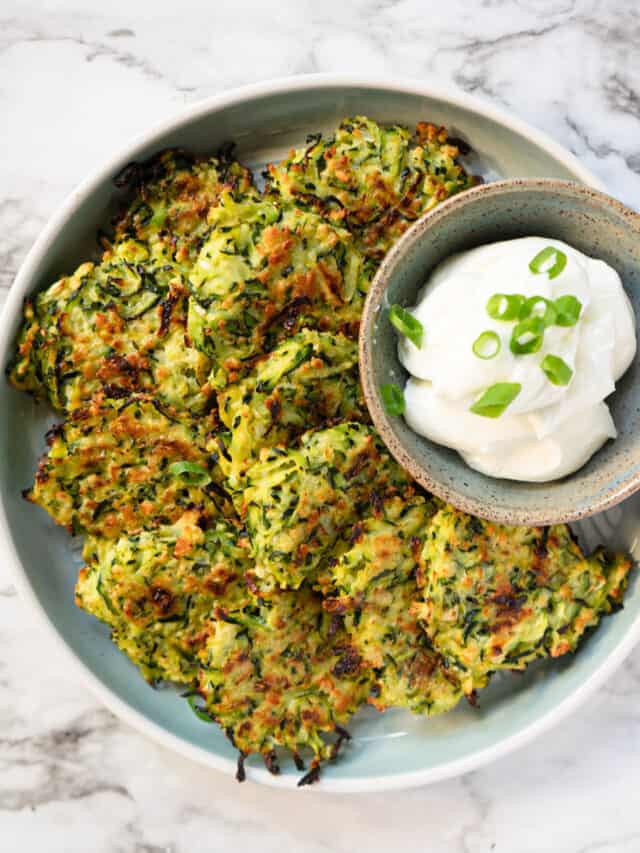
x,y
517,385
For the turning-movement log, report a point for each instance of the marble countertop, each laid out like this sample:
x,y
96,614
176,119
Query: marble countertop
x,y
73,778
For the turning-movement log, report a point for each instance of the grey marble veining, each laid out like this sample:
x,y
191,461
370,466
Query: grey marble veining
x,y
77,80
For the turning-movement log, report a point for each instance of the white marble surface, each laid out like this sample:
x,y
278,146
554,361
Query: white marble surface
x,y
77,80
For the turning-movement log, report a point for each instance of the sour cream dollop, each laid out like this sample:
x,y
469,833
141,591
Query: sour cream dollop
x,y
548,430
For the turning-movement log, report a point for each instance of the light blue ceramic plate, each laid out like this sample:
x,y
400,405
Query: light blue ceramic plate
x,y
391,750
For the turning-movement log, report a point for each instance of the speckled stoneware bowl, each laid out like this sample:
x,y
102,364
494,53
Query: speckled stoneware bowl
x,y
590,221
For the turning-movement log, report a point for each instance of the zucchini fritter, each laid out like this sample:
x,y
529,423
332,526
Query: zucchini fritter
x,y
373,589
158,591
305,382
280,673
373,179
297,500
110,468
499,597
264,272
173,194
119,324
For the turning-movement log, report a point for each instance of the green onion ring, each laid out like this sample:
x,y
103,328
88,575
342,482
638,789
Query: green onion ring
x,y
549,315
527,336
568,309
505,306
556,370
393,399
540,264
486,345
407,324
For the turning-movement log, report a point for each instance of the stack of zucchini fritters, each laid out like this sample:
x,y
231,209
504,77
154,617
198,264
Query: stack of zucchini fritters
x,y
247,534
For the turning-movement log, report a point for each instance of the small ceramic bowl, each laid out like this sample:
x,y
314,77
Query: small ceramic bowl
x,y
590,221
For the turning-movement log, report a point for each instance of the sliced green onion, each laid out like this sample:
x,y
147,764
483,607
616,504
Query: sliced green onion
x,y
556,369
407,324
527,336
549,260
192,474
496,399
486,345
392,398
568,310
505,306
538,306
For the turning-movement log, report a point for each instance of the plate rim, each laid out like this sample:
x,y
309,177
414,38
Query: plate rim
x,y
447,93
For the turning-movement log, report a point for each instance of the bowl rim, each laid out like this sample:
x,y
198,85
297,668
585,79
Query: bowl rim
x,y
9,320
418,231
